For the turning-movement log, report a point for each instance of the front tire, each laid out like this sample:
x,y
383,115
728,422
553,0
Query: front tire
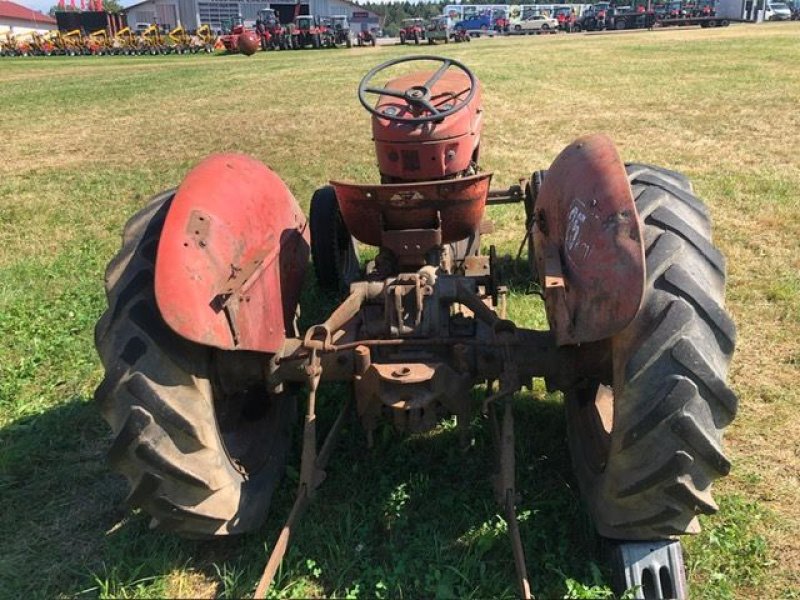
x,y
647,449
203,450
334,251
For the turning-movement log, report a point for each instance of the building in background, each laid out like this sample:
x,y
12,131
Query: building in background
x,y
192,13
17,19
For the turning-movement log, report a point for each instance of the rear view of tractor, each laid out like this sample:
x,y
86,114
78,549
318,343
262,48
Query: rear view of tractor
x,y
340,31
272,34
309,32
366,37
205,369
413,30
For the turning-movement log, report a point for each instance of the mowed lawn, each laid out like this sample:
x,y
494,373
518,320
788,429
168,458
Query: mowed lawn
x,y
86,141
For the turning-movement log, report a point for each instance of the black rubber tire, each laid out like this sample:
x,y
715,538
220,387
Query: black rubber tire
x,y
172,412
334,251
650,475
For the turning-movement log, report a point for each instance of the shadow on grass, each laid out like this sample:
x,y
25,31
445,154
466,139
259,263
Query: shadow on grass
x,y
413,517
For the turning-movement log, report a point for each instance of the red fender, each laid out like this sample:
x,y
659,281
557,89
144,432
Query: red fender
x,y
232,256
588,243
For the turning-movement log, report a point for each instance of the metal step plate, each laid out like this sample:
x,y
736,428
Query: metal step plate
x,y
654,569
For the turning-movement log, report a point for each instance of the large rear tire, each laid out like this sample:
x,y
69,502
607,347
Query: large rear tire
x,y
199,439
647,449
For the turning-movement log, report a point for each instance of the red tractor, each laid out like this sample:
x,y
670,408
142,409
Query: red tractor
x,y
413,30
566,19
239,39
309,31
205,368
366,37
272,35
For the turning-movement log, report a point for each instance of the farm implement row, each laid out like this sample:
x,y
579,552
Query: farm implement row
x,y
97,43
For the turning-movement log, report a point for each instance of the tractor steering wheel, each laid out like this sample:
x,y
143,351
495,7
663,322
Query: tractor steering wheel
x,y
418,96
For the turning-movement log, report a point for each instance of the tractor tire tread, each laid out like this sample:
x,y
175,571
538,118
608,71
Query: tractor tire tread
x,y
672,402
158,398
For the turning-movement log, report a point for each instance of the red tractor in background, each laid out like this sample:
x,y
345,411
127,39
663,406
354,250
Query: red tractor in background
x,y
566,18
412,30
366,37
272,34
309,31
238,39
205,367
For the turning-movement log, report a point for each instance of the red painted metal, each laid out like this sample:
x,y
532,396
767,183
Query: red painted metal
x,y
248,43
432,150
588,240
368,210
232,256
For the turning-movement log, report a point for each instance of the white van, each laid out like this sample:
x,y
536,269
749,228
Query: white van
x,y
777,11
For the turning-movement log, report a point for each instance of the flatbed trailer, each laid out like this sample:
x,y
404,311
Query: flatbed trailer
x,y
648,20
689,21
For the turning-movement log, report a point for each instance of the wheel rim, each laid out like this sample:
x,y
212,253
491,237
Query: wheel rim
x,y
246,423
593,409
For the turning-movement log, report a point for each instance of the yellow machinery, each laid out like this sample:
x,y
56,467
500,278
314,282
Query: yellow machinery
x,y
126,42
180,41
204,39
152,40
99,43
17,45
69,43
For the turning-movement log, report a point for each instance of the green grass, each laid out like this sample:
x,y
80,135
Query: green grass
x,y
86,141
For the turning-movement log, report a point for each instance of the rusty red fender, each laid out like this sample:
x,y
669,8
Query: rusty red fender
x,y
588,243
232,256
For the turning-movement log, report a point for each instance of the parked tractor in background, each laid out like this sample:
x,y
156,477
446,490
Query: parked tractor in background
x,y
593,18
340,31
565,16
309,31
272,34
438,30
501,21
366,37
413,30
205,367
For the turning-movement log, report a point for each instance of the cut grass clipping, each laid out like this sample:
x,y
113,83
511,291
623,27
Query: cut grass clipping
x,y
86,142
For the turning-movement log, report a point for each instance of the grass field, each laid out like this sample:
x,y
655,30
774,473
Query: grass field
x,y
86,141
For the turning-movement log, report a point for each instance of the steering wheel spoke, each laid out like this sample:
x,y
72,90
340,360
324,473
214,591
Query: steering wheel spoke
x,y
385,92
427,105
438,75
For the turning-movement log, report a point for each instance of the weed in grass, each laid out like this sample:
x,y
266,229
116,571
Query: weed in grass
x,y
734,555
